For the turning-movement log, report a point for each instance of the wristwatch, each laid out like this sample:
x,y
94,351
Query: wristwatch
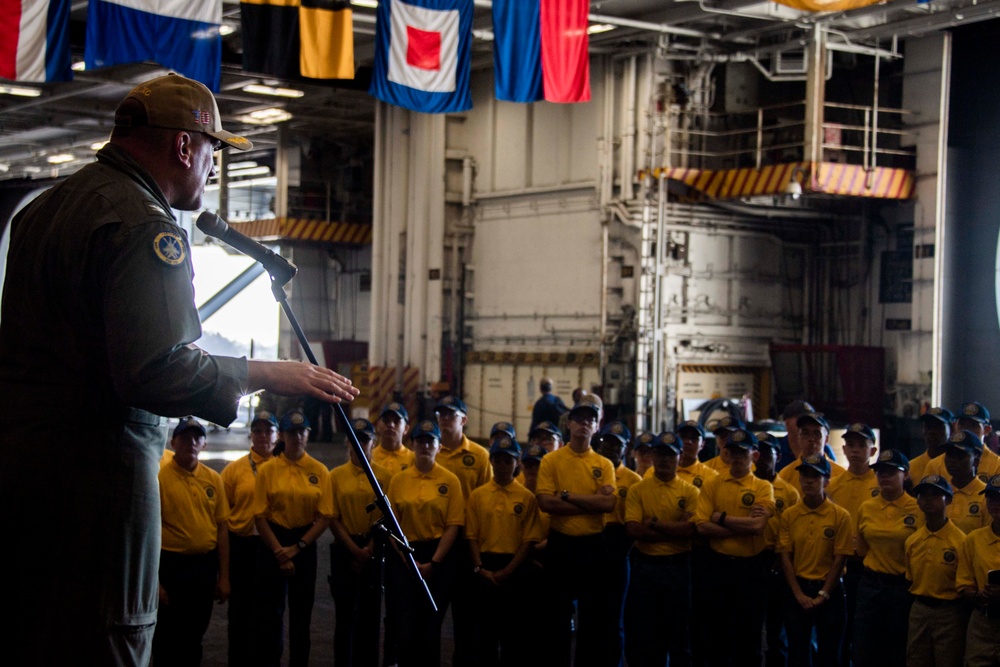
x,y
564,495
477,569
824,595
301,545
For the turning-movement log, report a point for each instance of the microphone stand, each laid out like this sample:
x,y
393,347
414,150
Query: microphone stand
x,y
387,528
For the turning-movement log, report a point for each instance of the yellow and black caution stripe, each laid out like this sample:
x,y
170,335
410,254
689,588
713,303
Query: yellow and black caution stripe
x,y
297,229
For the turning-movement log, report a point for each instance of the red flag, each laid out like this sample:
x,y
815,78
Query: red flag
x,y
565,62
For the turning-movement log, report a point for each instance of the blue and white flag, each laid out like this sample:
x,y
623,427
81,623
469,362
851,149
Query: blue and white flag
x,y
180,34
423,53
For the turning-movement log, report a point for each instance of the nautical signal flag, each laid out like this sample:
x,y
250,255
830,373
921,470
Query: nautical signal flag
x,y
180,34
293,38
34,40
540,50
423,54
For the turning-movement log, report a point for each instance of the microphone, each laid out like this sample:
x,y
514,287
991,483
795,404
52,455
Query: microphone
x,y
279,268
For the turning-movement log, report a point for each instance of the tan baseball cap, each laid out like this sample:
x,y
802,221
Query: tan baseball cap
x,y
176,103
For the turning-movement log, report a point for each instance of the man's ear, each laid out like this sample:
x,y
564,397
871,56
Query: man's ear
x,y
754,455
183,148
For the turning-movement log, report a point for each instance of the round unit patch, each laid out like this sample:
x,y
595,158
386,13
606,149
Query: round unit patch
x,y
313,479
974,508
443,489
748,499
622,492
875,493
210,492
949,556
597,473
697,481
909,520
828,533
970,409
169,248
779,503
682,503
469,460
518,508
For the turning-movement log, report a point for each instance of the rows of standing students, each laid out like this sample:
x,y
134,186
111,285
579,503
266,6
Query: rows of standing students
x,y
838,565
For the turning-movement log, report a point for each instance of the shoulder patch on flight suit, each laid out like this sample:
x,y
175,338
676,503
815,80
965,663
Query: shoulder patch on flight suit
x,y
155,209
622,491
169,248
909,519
974,508
828,533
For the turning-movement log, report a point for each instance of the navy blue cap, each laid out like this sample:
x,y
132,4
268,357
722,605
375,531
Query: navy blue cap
x,y
975,410
503,427
189,424
453,403
692,424
864,430
943,415
768,439
797,408
618,429
816,462
966,440
742,438
545,427
667,440
934,483
644,439
506,445
265,416
293,419
363,426
992,485
533,453
815,418
586,405
396,409
728,423
892,458
426,427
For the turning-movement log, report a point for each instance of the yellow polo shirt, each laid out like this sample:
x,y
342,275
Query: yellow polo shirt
x,y
426,504
932,561
968,508
393,461
288,492
502,518
918,466
989,465
885,526
565,470
696,474
735,497
791,475
665,501
980,553
717,464
350,494
814,537
240,480
469,462
850,491
192,506
785,496
624,480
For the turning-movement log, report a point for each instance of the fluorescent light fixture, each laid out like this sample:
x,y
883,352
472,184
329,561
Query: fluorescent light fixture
x,y
21,91
4,168
599,27
227,29
98,145
246,164
270,90
31,169
79,66
61,158
266,116
251,171
370,4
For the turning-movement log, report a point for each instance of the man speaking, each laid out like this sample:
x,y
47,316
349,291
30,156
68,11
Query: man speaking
x,y
96,331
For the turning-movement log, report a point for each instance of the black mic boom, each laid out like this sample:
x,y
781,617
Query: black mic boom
x,y
279,268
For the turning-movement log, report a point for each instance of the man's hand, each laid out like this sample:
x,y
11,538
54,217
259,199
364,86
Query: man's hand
x,y
287,569
164,598
299,378
222,590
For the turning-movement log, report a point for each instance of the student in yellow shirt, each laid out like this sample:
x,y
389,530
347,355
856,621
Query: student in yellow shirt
x,y
289,519
531,461
658,515
391,453
430,507
544,436
689,468
814,540
849,490
354,575
611,444
501,523
935,428
733,511
240,479
501,429
721,430
978,582
881,529
938,617
576,487
642,454
814,432
972,417
194,556
961,459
